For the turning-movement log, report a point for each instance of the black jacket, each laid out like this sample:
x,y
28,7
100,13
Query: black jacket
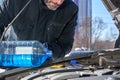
x,y
37,22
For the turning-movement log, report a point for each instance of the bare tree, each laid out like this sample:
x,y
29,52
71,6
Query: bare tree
x,y
98,26
82,34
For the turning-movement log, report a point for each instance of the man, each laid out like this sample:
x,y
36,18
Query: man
x,y
51,21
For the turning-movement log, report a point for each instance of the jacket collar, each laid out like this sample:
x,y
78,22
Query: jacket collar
x,y
42,5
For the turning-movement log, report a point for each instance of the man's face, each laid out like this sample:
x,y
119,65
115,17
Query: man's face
x,y
53,4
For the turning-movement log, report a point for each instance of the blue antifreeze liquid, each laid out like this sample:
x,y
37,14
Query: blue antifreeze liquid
x,y
22,60
23,54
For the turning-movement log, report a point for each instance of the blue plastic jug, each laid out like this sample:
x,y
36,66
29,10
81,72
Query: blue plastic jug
x,y
23,54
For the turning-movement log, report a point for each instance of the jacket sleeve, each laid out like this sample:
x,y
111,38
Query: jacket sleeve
x,y
65,42
6,14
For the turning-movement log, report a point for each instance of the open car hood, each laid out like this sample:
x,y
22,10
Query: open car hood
x,y
113,7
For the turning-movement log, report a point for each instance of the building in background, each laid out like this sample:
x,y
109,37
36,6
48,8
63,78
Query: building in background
x,y
83,30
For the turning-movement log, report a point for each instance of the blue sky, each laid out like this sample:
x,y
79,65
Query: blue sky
x,y
99,10
1,1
